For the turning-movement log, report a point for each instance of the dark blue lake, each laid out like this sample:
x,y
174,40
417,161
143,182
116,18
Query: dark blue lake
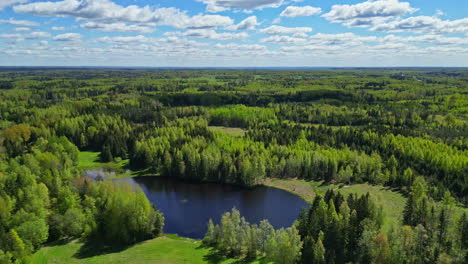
x,y
187,207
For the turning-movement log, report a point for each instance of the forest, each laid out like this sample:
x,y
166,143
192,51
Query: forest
x,y
403,129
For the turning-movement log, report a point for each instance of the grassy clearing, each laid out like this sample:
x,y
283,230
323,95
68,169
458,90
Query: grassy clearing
x,y
299,187
163,250
89,159
232,131
392,202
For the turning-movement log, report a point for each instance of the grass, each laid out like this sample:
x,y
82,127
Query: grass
x,y
232,131
89,159
298,187
393,202
169,249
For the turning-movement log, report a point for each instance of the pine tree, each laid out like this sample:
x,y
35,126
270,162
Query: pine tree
x,y
408,211
307,255
443,229
463,231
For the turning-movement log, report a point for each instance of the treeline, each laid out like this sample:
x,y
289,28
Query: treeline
x,y
409,115
444,165
187,149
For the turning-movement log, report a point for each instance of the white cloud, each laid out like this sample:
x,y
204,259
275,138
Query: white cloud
x,y
308,48
285,40
15,22
427,39
279,30
58,28
203,21
342,39
68,37
22,29
37,35
234,46
106,11
208,34
132,39
215,6
320,39
117,27
6,3
368,13
299,11
28,36
247,24
424,24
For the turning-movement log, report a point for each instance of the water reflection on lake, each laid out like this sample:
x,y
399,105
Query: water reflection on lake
x,y
187,207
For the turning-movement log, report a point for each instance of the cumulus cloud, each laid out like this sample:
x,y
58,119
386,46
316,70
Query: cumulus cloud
x,y
285,40
208,34
342,39
117,27
57,28
204,21
308,48
106,11
5,3
368,13
28,36
427,39
424,24
279,30
234,46
140,42
15,22
68,37
215,6
247,24
299,11
22,29
320,39
130,39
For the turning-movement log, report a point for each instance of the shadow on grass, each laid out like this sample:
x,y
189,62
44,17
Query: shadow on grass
x,y
59,242
96,248
215,257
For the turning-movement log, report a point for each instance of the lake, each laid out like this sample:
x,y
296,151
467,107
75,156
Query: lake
x,y
187,207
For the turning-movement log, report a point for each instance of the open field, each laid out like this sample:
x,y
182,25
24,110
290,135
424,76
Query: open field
x,y
232,131
163,250
90,159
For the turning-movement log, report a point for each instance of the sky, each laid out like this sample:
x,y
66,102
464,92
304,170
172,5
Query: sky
x,y
234,33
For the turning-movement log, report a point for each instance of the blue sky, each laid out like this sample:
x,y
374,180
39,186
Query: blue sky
x,y
233,33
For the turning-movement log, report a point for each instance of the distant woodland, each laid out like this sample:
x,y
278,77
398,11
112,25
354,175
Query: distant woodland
x,y
405,129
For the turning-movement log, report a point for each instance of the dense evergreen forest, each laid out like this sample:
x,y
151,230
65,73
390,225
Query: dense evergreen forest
x,y
406,129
